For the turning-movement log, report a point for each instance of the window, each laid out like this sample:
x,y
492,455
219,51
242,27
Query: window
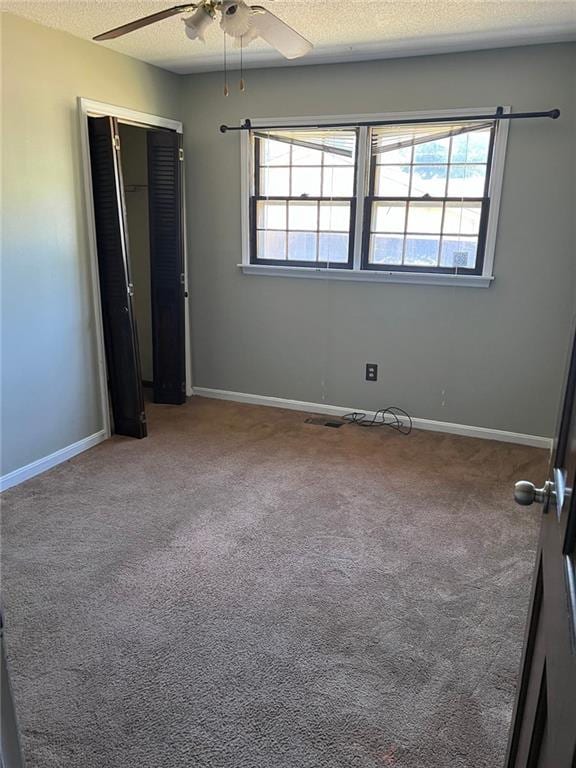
x,y
304,202
427,206
408,202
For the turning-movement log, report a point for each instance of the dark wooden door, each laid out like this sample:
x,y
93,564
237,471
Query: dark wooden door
x,y
543,733
10,749
167,266
120,338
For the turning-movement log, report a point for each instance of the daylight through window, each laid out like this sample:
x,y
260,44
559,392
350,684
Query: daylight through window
x,y
304,201
428,197
422,192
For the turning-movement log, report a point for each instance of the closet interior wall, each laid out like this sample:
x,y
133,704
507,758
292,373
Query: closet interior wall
x,y
134,158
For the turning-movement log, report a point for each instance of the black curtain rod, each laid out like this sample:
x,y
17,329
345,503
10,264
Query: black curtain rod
x,y
554,114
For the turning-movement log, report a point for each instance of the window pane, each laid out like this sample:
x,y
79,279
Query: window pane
x,y
389,217
471,147
333,248
306,156
424,217
462,218
306,181
459,252
466,180
392,181
274,152
272,215
429,180
335,217
432,151
302,246
421,251
400,155
303,216
386,249
338,182
272,245
331,158
275,182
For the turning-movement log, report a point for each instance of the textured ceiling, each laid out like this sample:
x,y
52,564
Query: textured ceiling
x,y
341,30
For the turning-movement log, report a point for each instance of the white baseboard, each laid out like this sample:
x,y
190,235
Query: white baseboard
x,y
41,465
536,441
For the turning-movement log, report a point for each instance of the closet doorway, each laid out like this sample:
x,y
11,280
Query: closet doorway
x,y
136,199
134,166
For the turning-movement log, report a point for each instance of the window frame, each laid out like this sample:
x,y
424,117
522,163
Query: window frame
x,y
256,197
484,201
359,269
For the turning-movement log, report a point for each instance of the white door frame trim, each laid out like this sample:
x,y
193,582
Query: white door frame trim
x,y
90,108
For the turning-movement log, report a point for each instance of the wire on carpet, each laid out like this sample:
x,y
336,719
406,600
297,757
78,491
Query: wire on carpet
x,y
385,417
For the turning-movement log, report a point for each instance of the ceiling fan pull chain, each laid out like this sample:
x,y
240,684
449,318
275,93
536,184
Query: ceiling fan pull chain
x,y
242,83
226,91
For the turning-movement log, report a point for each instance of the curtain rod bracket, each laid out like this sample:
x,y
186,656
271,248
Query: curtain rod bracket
x,y
246,126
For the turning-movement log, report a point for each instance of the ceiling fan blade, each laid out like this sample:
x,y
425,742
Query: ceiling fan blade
x,y
278,34
145,21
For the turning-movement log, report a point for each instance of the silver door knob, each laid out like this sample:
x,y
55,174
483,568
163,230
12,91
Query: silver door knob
x,y
526,493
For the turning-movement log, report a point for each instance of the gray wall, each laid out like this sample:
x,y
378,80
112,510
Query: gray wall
x,y
50,396
487,357
134,155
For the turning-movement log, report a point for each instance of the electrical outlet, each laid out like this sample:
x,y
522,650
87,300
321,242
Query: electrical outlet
x,y
371,372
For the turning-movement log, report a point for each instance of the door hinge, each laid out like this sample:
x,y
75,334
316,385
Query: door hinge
x,y
130,289
180,154
182,278
117,143
143,417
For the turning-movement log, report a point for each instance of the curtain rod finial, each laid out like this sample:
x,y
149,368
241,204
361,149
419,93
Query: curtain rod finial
x,y
555,114
223,128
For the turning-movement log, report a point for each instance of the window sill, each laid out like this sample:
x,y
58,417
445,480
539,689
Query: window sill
x,y
368,276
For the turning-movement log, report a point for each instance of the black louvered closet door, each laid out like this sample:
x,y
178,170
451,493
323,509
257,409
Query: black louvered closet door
x,y
122,357
167,266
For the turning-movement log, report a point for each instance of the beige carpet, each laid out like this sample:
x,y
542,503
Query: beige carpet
x,y
244,590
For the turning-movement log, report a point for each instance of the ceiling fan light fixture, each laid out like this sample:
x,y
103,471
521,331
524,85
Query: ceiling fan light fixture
x,y
235,20
197,24
239,20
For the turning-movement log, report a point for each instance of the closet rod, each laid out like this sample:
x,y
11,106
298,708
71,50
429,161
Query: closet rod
x,y
554,114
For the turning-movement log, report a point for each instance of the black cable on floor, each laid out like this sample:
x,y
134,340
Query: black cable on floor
x,y
385,417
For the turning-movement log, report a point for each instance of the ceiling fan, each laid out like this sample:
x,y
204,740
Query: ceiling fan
x,y
237,19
